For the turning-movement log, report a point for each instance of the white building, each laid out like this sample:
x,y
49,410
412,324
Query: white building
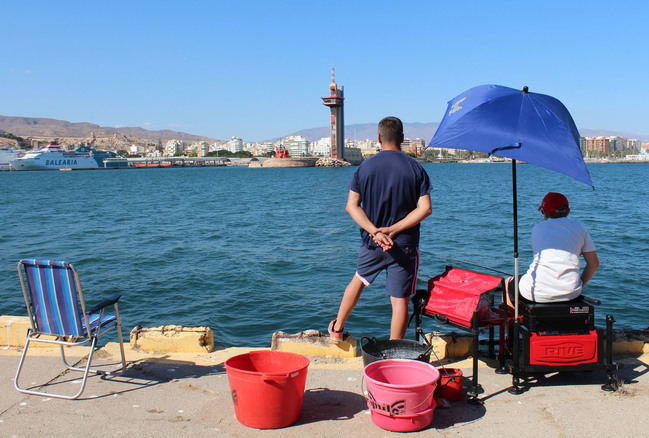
x,y
154,153
216,146
235,145
368,147
262,148
321,147
643,156
201,148
172,147
296,145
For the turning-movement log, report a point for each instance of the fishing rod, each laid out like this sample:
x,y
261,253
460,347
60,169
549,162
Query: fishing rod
x,y
482,267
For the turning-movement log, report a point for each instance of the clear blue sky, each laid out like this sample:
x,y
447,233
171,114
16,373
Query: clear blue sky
x,y
257,69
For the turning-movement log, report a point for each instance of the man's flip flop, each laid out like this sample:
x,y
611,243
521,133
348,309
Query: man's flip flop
x,y
335,335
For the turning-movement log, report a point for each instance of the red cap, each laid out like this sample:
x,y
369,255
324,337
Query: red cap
x,y
553,202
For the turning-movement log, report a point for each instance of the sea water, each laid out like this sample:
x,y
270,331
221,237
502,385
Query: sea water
x,y
249,252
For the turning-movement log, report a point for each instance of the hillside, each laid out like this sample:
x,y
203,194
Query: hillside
x,y
42,127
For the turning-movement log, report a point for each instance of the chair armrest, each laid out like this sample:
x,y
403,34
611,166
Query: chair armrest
x,y
107,302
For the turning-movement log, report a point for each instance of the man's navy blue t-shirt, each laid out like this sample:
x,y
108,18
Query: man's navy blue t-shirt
x,y
390,184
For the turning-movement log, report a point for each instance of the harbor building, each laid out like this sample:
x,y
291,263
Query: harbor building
x,y
617,144
353,155
633,144
321,147
368,147
172,147
599,145
414,146
337,122
296,145
135,149
235,145
201,148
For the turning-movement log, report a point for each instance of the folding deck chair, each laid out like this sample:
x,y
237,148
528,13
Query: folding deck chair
x,y
465,299
58,315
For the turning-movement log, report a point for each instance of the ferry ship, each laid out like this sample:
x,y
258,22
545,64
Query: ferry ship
x,y
52,157
7,156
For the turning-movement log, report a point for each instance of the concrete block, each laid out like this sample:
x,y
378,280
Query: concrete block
x,y
439,343
457,346
628,347
13,330
172,339
314,343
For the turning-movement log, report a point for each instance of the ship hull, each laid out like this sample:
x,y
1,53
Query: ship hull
x,y
52,158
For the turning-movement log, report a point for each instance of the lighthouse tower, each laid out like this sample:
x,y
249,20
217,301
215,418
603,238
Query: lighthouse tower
x,y
337,123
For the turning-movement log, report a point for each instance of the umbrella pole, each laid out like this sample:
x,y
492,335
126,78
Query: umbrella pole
x,y
515,208
516,389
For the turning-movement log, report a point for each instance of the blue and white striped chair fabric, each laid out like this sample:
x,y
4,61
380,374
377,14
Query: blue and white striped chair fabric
x,y
56,307
54,295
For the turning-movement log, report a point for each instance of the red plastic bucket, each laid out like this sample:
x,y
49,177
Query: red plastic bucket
x,y
449,386
267,387
398,389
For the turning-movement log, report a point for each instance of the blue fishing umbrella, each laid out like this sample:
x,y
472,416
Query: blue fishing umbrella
x,y
520,125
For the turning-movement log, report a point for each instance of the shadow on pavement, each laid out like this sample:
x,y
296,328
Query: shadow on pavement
x,y
140,374
163,369
459,412
323,404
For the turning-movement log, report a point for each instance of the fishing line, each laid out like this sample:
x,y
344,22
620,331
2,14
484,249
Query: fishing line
x,y
480,266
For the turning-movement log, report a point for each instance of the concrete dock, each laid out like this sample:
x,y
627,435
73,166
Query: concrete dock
x,y
187,394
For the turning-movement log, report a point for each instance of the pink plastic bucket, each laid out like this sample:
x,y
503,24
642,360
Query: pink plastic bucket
x,y
398,389
267,387
403,423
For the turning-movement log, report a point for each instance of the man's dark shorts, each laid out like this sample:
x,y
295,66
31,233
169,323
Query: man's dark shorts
x,y
401,265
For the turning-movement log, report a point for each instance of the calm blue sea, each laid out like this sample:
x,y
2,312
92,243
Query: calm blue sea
x,y
251,251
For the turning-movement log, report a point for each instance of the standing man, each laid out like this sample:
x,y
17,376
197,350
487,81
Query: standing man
x,y
389,196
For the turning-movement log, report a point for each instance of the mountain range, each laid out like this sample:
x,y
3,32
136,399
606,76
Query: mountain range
x,y
44,127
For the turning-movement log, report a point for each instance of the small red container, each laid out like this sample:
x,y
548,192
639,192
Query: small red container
x,y
449,386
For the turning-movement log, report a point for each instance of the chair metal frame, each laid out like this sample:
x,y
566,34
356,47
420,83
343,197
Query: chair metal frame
x,y
87,335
